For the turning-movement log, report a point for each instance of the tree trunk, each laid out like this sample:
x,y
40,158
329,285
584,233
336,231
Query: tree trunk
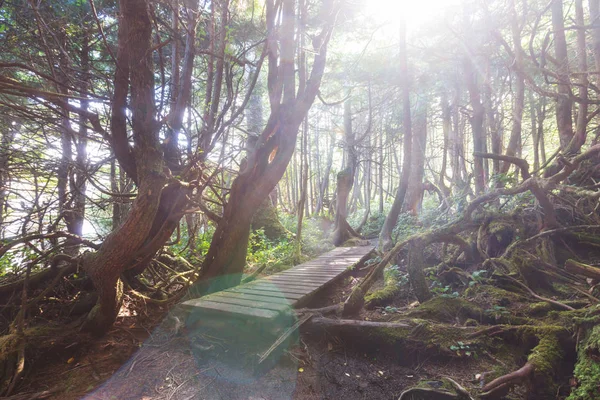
x,y
385,236
519,100
325,182
414,193
582,107
594,6
476,121
157,209
264,167
564,104
303,192
342,231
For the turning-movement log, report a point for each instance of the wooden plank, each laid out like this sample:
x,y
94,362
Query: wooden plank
x,y
240,311
317,265
269,287
278,282
255,297
286,289
309,274
217,298
317,268
287,285
320,269
289,291
299,281
292,297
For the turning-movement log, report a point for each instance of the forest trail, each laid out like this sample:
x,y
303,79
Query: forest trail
x,y
218,359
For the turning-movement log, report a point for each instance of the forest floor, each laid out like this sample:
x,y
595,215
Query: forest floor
x,y
152,360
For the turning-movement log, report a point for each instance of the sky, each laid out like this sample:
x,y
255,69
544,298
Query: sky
x,y
417,12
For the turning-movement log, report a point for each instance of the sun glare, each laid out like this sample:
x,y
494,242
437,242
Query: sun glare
x,y
416,13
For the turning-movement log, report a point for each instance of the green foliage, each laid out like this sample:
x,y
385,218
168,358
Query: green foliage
x,y
463,349
7,263
407,226
315,233
440,289
393,272
262,251
478,277
497,311
374,222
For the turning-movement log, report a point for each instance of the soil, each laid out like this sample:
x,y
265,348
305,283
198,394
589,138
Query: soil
x,y
131,362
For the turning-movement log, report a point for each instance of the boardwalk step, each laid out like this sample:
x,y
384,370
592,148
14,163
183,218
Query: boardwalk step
x,y
273,296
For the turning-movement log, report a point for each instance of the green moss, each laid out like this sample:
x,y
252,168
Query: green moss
x,y
546,359
494,295
266,218
546,355
447,309
429,335
386,294
539,309
8,345
571,319
587,368
353,242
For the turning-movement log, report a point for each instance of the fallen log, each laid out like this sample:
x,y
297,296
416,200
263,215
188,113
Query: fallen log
x,y
578,268
330,322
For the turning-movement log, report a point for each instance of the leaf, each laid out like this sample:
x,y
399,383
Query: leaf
x,y
300,369
453,348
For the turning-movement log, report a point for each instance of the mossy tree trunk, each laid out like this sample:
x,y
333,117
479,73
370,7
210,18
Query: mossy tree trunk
x,y
416,275
266,218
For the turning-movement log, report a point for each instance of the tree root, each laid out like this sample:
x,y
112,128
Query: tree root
x,y
538,372
534,295
384,295
508,380
335,308
430,394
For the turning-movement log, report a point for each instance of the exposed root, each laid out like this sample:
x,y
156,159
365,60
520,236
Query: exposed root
x,y
430,394
534,295
538,372
505,381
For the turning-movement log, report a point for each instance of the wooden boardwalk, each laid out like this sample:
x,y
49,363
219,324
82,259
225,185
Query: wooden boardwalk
x,y
270,297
